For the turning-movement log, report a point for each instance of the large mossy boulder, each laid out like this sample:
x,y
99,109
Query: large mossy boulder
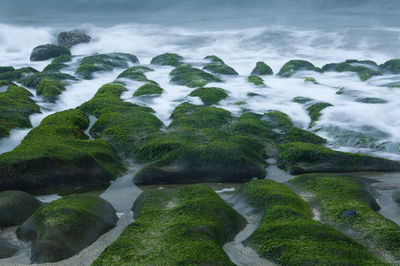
x,y
364,69
104,62
16,207
262,69
392,66
72,38
167,59
47,51
288,235
183,226
62,228
49,89
57,63
33,80
148,89
209,95
58,153
298,157
345,203
16,106
124,125
293,66
186,75
218,66
256,80
136,73
17,74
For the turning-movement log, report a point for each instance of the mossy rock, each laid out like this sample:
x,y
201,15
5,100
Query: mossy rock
x,y
392,66
16,207
148,89
210,95
310,80
58,63
337,195
314,111
124,125
58,153
136,73
47,51
293,66
273,126
33,80
50,89
186,75
218,66
262,69
256,80
72,38
17,74
104,62
371,100
298,157
302,99
288,235
364,69
252,94
16,106
183,226
167,59
4,69
62,228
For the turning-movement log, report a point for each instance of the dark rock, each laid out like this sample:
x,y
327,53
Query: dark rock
x,y
348,213
7,249
47,51
16,207
72,38
62,228
396,195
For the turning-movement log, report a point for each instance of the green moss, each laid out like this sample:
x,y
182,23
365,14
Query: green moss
x,y
183,226
104,62
136,73
186,75
336,194
214,59
210,95
362,68
15,108
302,99
256,80
300,157
4,69
167,59
47,51
314,111
262,69
288,236
392,66
49,89
371,100
57,153
218,66
252,94
17,74
148,89
293,66
58,63
310,80
240,103
33,80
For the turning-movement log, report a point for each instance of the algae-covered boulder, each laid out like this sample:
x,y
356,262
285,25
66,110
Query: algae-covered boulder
x,y
302,100
167,59
192,77
293,66
136,73
336,194
58,153
256,80
47,51
288,235
49,89
314,111
392,66
364,69
148,89
4,69
262,69
17,74
57,63
310,80
124,125
209,95
218,66
72,38
62,228
16,207
104,62
183,226
33,80
15,108
300,157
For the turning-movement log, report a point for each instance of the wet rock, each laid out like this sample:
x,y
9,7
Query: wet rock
x,y
7,249
293,66
371,100
348,213
62,228
72,38
47,51
16,207
396,195
167,59
262,69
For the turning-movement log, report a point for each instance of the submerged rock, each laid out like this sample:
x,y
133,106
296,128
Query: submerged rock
x,y
256,80
71,38
392,66
396,195
57,64
7,249
314,111
47,51
183,226
365,69
62,228
16,207
293,66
